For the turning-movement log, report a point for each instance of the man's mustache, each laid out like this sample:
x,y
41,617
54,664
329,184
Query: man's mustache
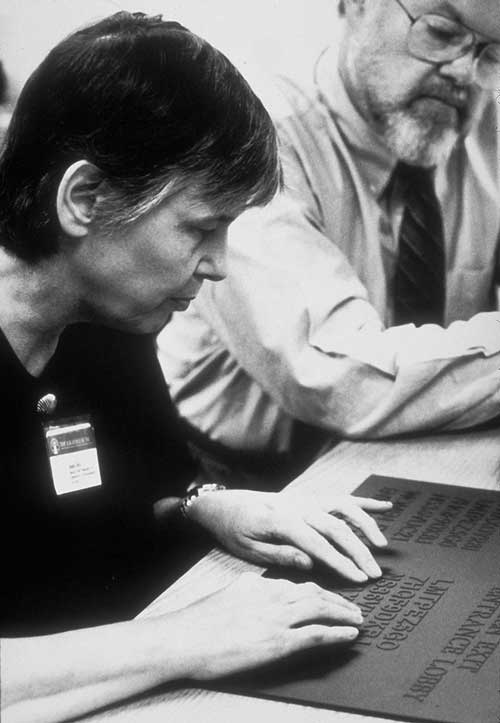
x,y
457,96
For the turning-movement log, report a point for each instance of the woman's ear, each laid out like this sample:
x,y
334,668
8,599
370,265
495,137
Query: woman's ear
x,y
77,196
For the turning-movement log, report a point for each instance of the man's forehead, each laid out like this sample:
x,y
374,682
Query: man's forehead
x,y
482,16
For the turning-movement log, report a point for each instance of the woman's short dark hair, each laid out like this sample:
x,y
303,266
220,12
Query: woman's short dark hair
x,y
150,104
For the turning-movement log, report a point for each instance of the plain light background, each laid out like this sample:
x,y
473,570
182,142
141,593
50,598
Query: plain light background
x,y
257,35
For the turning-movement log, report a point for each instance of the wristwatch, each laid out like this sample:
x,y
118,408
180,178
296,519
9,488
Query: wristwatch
x,y
196,492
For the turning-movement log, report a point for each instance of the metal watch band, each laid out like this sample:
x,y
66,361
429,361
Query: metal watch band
x,y
196,492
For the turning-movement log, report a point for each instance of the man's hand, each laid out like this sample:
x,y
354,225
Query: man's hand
x,y
255,621
291,529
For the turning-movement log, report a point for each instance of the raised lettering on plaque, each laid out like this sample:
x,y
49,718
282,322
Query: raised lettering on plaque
x,y
429,649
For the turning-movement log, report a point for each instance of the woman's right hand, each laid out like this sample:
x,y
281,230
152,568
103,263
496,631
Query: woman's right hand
x,y
256,620
253,621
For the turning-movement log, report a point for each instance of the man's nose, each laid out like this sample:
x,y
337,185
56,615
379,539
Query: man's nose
x,y
463,69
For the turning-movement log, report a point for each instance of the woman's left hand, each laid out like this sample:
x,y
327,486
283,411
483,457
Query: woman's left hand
x,y
291,529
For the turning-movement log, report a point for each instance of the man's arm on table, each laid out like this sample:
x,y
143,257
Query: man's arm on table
x,y
294,316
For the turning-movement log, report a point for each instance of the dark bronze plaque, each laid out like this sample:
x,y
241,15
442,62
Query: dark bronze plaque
x,y
429,649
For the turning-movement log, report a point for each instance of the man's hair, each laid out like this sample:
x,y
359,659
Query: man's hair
x,y
153,107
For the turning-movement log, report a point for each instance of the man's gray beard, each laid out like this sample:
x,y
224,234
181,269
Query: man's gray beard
x,y
415,141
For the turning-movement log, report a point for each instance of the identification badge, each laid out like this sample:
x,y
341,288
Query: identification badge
x,y
72,453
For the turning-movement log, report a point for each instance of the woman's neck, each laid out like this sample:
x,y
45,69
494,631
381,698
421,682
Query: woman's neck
x,y
34,309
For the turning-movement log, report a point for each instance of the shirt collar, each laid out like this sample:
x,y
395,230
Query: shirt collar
x,y
374,160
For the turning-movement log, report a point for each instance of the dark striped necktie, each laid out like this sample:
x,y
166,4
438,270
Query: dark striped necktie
x,y
419,281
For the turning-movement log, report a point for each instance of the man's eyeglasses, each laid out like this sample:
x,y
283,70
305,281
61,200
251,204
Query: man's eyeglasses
x,y
439,39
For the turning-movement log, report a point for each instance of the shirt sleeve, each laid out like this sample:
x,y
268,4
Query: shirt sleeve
x,y
297,319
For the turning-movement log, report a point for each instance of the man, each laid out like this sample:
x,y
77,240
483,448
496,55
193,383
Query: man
x,y
131,149
353,302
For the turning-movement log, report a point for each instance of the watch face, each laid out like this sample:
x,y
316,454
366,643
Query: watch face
x,y
208,487
195,492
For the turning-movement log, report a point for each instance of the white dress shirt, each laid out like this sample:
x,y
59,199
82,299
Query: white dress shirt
x,y
301,327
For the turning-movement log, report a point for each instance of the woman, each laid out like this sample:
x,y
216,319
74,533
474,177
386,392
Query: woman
x,y
132,148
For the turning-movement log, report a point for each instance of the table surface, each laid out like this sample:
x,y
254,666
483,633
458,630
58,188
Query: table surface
x,y
467,459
